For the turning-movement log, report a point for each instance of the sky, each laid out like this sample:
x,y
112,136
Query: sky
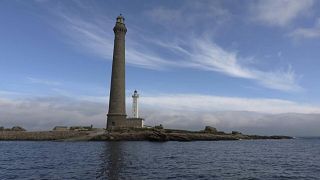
x,y
236,65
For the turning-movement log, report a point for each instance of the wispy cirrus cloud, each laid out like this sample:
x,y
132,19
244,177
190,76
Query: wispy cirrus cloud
x,y
43,81
196,51
206,55
97,37
308,33
279,12
191,14
10,93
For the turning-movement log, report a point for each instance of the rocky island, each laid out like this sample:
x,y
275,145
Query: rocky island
x,y
155,134
131,134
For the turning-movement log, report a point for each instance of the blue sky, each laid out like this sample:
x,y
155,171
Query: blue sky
x,y
259,56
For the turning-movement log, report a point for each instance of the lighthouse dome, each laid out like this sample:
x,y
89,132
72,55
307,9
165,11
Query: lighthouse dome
x,y
120,19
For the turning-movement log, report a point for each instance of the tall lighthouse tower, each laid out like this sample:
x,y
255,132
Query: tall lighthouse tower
x,y
117,105
135,110
117,117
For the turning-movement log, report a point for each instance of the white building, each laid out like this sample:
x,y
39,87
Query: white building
x,y
135,120
135,107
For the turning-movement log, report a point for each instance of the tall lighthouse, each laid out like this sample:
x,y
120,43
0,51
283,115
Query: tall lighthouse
x,y
117,117
135,110
117,102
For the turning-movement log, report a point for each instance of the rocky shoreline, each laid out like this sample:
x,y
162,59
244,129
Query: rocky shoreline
x,y
39,135
130,135
176,135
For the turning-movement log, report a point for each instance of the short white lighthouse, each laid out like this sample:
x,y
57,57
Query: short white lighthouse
x,y
135,108
135,121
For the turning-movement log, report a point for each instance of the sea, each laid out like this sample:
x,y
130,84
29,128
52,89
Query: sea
x,y
246,159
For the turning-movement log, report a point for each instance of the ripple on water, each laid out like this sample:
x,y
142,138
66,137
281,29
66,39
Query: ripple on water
x,y
260,159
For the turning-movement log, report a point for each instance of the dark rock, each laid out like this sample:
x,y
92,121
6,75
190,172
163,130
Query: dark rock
x,y
179,137
280,137
221,133
210,129
235,133
157,136
159,127
39,135
17,128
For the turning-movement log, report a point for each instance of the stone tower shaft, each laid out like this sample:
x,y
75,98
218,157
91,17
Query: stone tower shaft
x,y
117,105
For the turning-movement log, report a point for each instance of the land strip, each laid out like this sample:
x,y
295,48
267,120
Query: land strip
x,y
129,135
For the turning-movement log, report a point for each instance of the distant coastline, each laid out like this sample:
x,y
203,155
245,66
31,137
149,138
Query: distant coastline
x,y
145,134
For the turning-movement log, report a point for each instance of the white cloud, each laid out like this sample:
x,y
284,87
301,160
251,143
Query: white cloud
x,y
97,37
200,53
92,32
192,52
43,81
249,115
279,12
247,122
45,113
190,14
207,103
312,32
10,93
187,111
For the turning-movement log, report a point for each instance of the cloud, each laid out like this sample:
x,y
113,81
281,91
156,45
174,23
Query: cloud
x,y
43,81
146,51
190,14
187,111
206,55
292,124
312,32
249,115
279,12
207,103
46,112
97,37
11,93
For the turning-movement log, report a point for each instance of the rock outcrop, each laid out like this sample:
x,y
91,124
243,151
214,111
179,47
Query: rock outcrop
x,y
140,134
39,136
175,135
209,129
17,128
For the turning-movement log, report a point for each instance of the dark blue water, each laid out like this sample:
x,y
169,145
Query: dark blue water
x,y
258,159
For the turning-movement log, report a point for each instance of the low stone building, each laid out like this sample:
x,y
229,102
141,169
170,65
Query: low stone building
x,y
60,128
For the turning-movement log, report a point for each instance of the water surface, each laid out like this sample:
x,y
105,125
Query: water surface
x,y
249,159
